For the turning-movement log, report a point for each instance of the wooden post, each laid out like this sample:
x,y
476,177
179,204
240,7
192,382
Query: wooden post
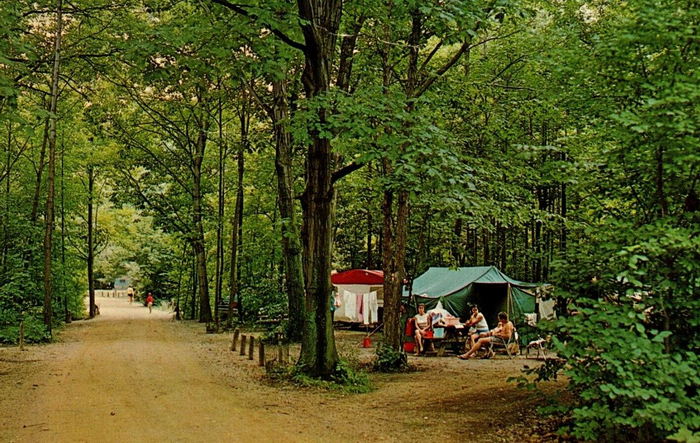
x,y
236,333
21,335
243,340
286,354
261,353
251,347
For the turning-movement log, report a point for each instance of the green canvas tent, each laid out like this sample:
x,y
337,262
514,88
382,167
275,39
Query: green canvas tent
x,y
486,286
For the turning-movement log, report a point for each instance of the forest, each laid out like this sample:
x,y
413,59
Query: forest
x,y
225,155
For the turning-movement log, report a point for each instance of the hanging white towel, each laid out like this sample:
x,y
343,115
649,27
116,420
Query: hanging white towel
x,y
373,307
346,311
365,309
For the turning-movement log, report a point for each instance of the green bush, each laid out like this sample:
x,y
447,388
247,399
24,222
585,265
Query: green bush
x,y
629,344
626,385
389,359
34,329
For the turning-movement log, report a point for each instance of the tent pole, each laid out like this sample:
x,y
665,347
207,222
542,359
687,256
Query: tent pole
x,y
509,303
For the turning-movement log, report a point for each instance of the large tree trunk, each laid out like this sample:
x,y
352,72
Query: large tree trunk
x,y
291,241
318,354
394,257
90,242
320,21
394,263
48,230
237,223
198,235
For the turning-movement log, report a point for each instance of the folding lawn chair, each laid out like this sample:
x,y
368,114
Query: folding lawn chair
x,y
510,345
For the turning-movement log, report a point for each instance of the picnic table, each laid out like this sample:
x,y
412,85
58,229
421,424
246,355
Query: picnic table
x,y
453,337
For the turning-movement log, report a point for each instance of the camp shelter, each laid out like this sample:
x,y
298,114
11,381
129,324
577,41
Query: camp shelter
x,y
485,286
355,285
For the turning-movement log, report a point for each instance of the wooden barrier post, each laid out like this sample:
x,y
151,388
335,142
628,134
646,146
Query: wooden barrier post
x,y
21,335
243,340
251,347
286,354
261,353
235,339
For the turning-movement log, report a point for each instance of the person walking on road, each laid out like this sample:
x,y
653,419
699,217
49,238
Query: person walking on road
x,y
149,302
130,293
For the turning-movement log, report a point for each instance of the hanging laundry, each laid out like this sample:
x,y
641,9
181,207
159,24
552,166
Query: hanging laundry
x,y
359,310
373,307
366,313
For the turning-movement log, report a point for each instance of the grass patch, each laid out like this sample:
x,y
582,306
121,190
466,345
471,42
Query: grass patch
x,y
346,378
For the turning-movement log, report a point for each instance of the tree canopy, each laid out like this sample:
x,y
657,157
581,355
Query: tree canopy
x,y
220,154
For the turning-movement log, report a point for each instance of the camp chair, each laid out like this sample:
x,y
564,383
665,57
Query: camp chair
x,y
509,345
540,345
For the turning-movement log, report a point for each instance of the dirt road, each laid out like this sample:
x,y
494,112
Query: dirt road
x,y
133,376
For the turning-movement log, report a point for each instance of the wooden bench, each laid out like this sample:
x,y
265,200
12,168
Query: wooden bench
x,y
224,311
270,320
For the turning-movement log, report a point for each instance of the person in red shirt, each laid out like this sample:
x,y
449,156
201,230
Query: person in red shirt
x,y
149,302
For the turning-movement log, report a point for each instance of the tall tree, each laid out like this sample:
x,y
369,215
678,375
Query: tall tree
x,y
49,221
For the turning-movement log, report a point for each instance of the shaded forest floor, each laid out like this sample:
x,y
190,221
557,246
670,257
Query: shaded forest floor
x,y
133,376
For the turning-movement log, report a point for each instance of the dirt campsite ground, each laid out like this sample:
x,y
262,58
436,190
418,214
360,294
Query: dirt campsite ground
x,y
133,376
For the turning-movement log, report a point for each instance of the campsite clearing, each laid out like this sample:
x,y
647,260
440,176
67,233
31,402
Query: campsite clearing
x,y
128,376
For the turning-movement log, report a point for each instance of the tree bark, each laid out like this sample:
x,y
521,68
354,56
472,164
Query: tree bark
x,y
6,215
369,263
198,229
237,224
195,285
395,242
39,173
48,230
320,21
90,242
219,221
457,247
291,241
66,312
394,263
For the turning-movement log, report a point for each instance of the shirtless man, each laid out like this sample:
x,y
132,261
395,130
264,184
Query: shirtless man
x,y
503,331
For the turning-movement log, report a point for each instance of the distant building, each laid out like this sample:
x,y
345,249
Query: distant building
x,y
122,283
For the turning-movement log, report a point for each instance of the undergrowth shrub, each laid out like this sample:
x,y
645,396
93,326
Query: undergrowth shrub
x,y
346,378
629,342
389,359
625,385
34,329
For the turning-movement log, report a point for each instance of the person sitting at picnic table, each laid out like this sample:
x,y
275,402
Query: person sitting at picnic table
x,y
422,321
477,324
503,331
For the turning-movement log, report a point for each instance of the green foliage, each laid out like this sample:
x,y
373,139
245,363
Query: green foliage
x,y
263,297
629,349
34,329
685,435
388,359
625,383
628,284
